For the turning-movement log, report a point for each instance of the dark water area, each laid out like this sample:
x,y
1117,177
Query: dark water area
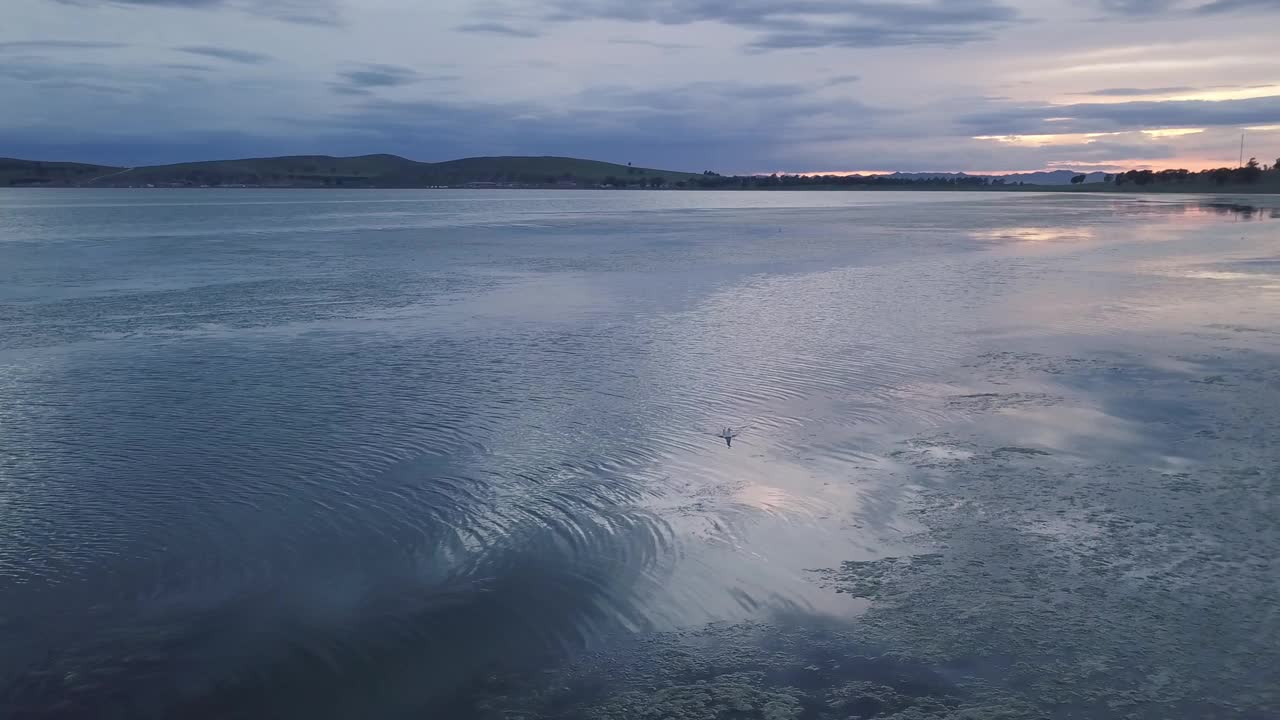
x,y
415,454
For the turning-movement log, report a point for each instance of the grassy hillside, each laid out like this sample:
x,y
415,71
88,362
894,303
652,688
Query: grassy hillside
x,y
548,169
297,170
372,171
34,173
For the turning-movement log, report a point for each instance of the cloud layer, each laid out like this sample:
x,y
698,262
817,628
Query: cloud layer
x,y
246,57
812,23
734,86
317,12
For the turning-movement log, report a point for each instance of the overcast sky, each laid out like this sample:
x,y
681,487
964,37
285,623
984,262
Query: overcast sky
x,y
729,85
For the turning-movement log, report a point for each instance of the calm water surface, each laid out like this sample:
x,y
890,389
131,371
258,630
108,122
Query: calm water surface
x,y
366,454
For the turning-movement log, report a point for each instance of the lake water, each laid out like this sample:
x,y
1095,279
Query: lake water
x,y
414,454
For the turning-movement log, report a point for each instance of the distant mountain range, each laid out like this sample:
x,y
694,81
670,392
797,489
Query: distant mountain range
x,y
1054,177
385,171
391,171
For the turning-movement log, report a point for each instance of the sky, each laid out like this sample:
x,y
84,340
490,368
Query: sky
x,y
735,86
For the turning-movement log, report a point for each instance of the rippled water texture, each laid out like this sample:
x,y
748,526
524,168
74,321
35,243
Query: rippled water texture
x,y
300,454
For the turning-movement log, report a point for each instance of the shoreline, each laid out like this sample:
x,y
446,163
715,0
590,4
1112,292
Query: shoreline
x,y
1228,190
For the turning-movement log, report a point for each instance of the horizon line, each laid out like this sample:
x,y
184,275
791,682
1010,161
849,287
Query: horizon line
x,y
1104,168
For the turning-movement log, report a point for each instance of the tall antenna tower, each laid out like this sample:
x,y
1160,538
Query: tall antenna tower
x,y
1241,150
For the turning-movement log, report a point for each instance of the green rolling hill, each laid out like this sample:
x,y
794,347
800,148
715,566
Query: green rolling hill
x,y
34,173
386,171
391,171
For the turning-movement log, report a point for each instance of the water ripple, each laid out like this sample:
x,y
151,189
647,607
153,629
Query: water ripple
x,y
251,470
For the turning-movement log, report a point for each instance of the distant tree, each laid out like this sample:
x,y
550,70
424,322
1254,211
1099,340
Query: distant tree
x,y
1251,172
1079,179
1139,177
657,181
1277,165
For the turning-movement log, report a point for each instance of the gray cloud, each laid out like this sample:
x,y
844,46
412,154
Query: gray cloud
x,y
1111,117
29,72
310,12
1137,7
862,36
58,45
841,80
363,79
806,116
671,128
496,28
650,43
74,85
190,67
44,69
1134,92
54,77
755,13
791,101
1219,6
1150,8
244,57
376,75
149,3
772,91
680,127
813,23
352,90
